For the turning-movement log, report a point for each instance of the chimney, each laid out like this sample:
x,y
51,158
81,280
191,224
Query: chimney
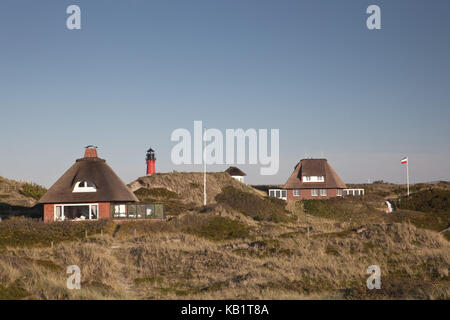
x,y
150,158
90,152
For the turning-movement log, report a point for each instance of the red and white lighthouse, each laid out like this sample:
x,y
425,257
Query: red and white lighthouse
x,y
150,161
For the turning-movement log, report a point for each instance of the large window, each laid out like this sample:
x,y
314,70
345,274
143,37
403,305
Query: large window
x,y
339,192
296,192
323,192
314,192
76,212
138,211
85,186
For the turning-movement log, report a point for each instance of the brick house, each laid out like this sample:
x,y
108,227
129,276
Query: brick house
x,y
312,179
87,191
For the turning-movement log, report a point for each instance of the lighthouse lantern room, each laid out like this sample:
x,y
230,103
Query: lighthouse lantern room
x,y
150,158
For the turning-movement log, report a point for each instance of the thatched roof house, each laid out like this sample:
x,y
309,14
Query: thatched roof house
x,y
86,191
313,179
236,173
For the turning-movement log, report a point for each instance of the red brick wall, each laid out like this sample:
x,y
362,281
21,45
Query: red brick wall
x,y
306,194
103,208
49,212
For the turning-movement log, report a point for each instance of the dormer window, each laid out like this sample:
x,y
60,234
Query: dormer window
x,y
85,186
313,179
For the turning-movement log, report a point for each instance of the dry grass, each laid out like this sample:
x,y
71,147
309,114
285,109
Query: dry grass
x,y
223,252
189,185
272,262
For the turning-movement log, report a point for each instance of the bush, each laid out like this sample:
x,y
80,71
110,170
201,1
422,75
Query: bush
x,y
32,233
215,227
260,209
426,201
158,193
207,226
33,190
174,206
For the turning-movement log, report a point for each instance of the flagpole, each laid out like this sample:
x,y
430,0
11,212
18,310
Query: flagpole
x,y
204,168
407,176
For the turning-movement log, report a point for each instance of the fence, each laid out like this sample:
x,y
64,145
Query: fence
x,y
138,211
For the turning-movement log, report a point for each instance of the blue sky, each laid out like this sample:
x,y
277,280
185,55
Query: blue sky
x,y
137,70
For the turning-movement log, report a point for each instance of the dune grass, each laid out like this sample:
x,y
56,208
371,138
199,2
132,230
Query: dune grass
x,y
178,265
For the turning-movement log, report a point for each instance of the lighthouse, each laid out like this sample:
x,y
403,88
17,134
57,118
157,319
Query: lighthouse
x,y
150,158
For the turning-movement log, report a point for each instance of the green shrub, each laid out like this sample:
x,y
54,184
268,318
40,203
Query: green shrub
x,y
33,190
260,209
14,291
159,193
207,226
33,233
426,201
214,227
174,206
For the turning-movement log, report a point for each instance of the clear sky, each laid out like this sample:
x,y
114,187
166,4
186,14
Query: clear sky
x,y
137,70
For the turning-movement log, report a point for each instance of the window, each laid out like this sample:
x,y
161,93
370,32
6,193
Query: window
x,y
85,186
76,212
314,192
94,212
296,192
323,192
278,193
339,192
58,213
313,179
119,211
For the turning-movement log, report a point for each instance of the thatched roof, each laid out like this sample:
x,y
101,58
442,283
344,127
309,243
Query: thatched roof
x,y
235,171
90,168
314,167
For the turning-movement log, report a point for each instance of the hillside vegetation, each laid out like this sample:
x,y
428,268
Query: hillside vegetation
x,y
188,186
20,198
211,257
242,245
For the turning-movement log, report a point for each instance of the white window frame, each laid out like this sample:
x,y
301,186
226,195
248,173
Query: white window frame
x,y
354,192
313,179
77,187
338,192
316,194
63,217
274,193
122,210
323,192
296,192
